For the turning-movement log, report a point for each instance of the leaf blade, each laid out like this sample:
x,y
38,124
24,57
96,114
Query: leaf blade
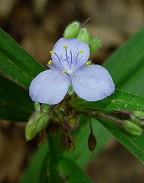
x,y
14,101
72,172
16,62
37,169
119,100
127,59
133,143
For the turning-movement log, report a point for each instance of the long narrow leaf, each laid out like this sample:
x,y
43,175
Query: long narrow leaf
x,y
15,103
16,62
134,144
127,60
72,172
37,169
118,101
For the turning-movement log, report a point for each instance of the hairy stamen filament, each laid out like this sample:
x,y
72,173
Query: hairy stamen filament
x,y
71,59
58,59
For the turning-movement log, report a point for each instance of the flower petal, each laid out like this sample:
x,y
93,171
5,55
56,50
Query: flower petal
x,y
92,83
66,51
49,87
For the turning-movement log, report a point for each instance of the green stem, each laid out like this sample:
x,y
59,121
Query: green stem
x,y
96,113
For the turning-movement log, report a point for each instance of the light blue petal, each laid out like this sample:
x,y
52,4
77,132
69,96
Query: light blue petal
x,y
49,87
92,83
70,58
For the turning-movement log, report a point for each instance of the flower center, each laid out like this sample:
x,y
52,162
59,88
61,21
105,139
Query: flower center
x,y
69,61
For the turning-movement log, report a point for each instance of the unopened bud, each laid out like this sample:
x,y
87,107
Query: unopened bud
x,y
91,142
83,35
132,128
72,30
94,44
139,114
37,122
135,120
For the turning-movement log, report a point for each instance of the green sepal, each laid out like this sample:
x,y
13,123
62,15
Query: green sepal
x,y
45,107
70,90
37,106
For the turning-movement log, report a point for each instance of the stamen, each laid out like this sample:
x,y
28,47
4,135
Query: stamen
x,y
49,62
64,71
51,52
80,51
71,59
88,62
65,46
58,59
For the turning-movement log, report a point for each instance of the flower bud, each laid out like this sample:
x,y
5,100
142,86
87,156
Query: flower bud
x,y
37,122
135,120
83,35
94,44
91,142
72,30
139,114
132,128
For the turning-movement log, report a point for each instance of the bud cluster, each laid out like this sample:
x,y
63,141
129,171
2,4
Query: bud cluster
x,y
74,30
51,120
132,121
135,123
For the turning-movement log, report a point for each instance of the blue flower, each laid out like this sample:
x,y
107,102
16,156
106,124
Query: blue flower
x,y
69,66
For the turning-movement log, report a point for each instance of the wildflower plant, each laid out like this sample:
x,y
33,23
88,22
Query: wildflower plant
x,y
74,101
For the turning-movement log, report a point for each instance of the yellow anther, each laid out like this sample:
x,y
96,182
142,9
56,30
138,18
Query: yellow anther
x,y
63,71
88,62
65,46
49,62
80,51
51,52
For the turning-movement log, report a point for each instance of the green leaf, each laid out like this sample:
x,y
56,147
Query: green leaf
x,y
15,103
54,152
127,60
71,172
135,144
135,83
16,62
37,169
119,100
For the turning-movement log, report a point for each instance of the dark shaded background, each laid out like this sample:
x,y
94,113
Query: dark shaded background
x,y
36,25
